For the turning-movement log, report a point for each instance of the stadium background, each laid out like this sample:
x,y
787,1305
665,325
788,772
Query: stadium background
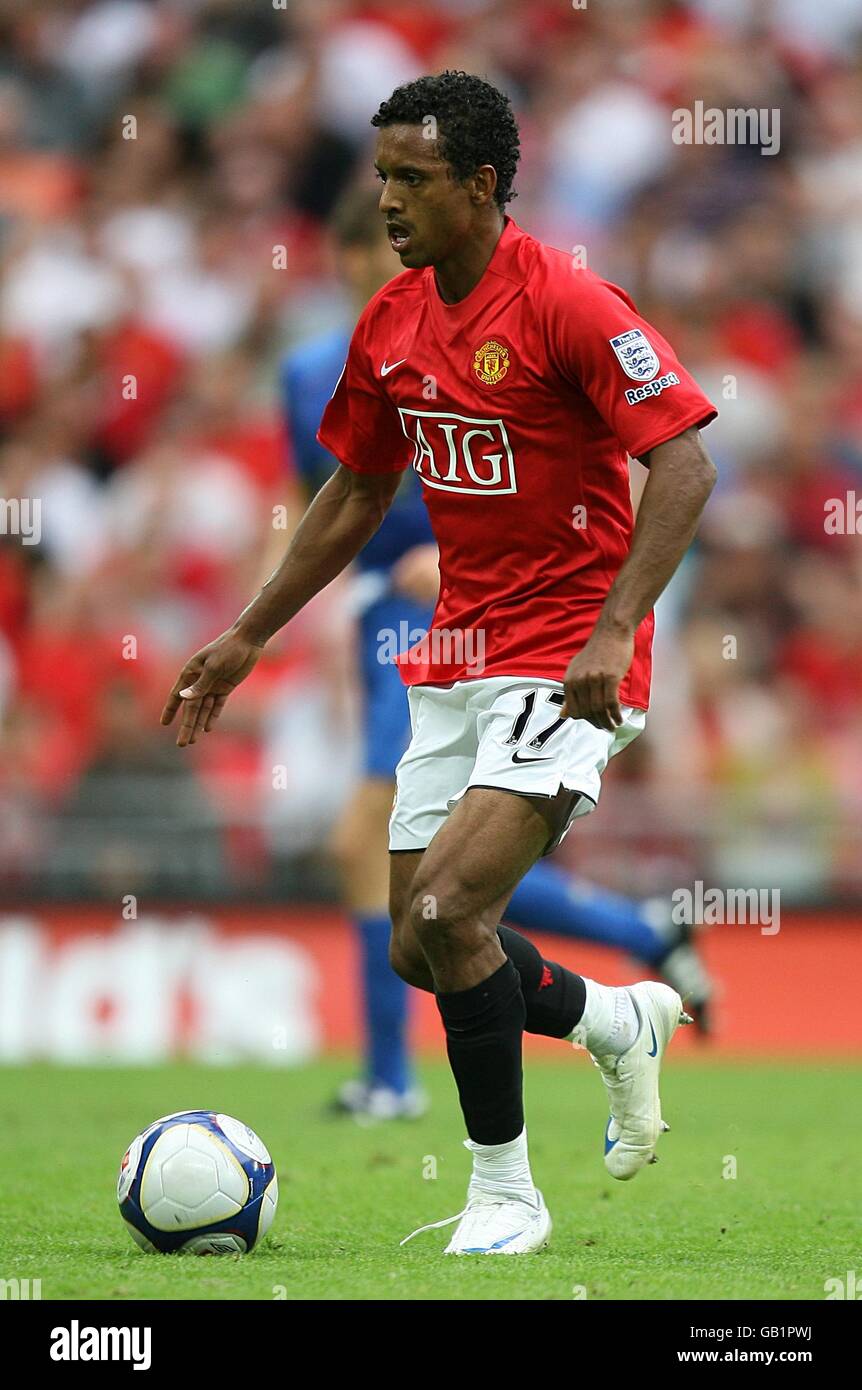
x,y
166,174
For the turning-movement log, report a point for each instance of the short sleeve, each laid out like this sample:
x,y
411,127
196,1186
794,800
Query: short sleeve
x,y
360,425
627,369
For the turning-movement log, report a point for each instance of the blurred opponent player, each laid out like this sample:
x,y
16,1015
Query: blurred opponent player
x,y
394,591
396,583
545,378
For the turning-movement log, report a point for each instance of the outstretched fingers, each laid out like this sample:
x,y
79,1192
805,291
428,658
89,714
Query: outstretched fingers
x,y
193,692
185,679
215,710
197,713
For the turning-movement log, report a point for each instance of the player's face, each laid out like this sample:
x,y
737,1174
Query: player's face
x,y
427,211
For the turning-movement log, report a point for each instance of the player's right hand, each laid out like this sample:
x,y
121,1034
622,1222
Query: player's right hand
x,y
205,682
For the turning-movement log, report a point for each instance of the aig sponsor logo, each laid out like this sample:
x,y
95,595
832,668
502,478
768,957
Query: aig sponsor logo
x,y
459,453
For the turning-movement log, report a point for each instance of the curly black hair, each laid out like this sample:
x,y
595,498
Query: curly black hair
x,y
475,124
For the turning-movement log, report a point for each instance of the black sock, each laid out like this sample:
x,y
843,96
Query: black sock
x,y
484,1026
554,996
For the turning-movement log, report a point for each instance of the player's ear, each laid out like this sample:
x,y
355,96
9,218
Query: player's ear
x,y
483,184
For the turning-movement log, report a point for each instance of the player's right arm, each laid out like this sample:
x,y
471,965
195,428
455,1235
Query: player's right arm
x,y
340,521
362,429
342,518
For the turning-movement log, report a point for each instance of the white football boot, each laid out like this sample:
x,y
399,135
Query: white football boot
x,y
491,1225
631,1080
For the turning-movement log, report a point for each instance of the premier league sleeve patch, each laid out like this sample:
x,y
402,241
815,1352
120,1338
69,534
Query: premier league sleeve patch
x,y
636,356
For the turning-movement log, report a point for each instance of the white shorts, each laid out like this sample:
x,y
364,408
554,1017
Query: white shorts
x,y
503,731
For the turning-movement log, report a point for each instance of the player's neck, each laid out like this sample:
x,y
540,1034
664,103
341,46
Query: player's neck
x,y
460,273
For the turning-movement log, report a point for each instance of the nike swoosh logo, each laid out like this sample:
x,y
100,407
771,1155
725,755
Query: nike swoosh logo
x,y
504,1240
654,1042
386,368
516,758
498,1244
609,1143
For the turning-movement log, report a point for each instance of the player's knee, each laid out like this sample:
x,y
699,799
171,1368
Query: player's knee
x,y
439,914
409,964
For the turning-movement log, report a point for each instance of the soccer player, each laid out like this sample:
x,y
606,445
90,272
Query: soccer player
x,y
516,384
394,591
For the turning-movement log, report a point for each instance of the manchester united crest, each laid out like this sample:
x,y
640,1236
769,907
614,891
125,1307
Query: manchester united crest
x,y
491,362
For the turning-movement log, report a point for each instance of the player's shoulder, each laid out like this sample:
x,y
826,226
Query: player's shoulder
x,y
392,300
555,278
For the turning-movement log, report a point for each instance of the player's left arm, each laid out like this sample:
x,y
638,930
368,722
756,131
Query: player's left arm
x,y
681,477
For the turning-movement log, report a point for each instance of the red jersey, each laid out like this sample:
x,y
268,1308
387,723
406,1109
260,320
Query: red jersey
x,y
517,407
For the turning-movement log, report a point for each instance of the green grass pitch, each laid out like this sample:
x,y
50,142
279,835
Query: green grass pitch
x,y
682,1229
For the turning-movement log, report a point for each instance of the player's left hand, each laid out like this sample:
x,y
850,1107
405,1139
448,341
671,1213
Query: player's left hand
x,y
593,677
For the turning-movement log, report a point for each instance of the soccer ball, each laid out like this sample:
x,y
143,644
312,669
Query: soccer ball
x,y
199,1182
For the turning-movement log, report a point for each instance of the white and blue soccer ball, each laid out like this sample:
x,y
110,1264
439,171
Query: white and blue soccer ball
x,y
200,1182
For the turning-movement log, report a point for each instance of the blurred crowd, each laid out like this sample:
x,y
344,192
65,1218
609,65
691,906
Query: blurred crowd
x,y
167,171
